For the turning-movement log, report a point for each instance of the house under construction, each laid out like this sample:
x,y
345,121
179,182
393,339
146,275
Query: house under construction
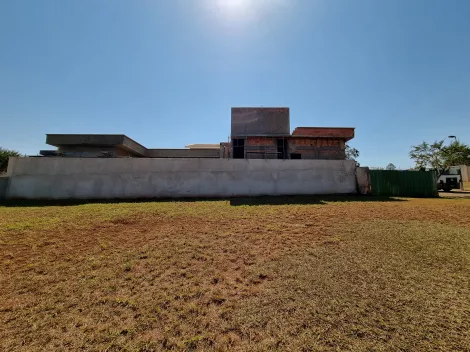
x,y
256,133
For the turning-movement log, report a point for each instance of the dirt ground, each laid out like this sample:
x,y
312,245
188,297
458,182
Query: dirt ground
x,y
263,274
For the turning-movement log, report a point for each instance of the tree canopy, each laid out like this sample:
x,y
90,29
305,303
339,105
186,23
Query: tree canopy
x,y
391,166
351,153
440,157
4,156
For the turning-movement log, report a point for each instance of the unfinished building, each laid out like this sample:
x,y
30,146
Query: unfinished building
x,y
256,133
119,146
264,133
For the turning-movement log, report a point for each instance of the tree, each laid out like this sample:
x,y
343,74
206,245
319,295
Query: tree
x,y
457,153
4,156
351,153
438,156
390,166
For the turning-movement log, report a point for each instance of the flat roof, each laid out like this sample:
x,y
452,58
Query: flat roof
x,y
203,146
117,140
260,107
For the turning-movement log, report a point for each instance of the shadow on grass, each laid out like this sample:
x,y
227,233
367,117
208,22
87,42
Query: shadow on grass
x,y
235,201
286,200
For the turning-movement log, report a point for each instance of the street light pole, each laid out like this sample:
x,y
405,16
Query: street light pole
x,y
460,171
452,137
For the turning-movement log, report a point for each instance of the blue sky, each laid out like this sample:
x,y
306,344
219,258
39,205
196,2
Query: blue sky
x,y
166,72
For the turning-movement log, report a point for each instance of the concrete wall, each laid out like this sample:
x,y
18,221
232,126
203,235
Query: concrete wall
x,y
260,121
225,150
75,178
363,180
92,152
3,187
85,139
183,153
465,171
133,147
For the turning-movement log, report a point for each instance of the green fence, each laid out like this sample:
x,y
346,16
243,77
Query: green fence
x,y
404,183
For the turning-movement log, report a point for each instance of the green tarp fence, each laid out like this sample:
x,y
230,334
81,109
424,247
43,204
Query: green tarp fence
x,y
404,183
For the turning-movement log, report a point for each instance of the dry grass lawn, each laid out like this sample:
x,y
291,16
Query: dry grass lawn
x,y
325,275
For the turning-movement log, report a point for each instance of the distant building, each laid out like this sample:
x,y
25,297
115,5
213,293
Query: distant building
x,y
256,133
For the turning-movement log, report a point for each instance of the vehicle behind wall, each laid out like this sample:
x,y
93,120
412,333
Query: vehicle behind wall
x,y
449,180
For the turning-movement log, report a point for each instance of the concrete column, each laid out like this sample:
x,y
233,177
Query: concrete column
x,y
363,180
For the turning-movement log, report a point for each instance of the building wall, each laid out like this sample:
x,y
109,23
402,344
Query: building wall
x,y
85,139
97,151
3,187
260,121
312,148
325,132
93,152
261,148
183,153
308,148
84,151
226,150
129,178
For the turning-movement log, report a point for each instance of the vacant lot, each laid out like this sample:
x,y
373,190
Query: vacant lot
x,y
316,275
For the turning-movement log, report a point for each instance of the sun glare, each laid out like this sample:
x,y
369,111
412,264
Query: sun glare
x,y
233,8
234,4
241,12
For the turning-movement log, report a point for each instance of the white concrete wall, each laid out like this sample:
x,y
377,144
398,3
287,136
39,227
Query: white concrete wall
x,y
465,171
77,178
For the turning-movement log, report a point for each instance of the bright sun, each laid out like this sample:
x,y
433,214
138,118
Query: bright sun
x,y
233,6
240,12
233,3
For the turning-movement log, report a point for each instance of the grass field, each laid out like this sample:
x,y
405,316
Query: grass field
x,y
316,275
